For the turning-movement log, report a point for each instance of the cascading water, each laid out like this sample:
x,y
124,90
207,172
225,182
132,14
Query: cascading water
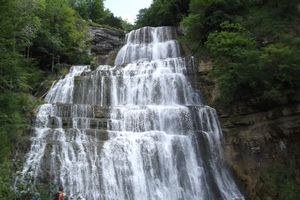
x,y
136,131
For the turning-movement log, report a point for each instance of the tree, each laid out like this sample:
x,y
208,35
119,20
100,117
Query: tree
x,y
111,20
89,9
236,61
206,16
31,31
62,36
18,75
163,13
253,46
94,10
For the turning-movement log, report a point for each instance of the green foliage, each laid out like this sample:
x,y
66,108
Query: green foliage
x,y
279,182
243,69
18,73
206,16
89,9
235,67
14,111
18,23
6,190
16,103
111,20
29,190
94,10
62,35
254,46
127,26
162,13
38,39
34,37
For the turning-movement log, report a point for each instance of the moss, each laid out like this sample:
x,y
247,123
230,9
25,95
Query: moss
x,y
112,56
108,59
279,182
60,71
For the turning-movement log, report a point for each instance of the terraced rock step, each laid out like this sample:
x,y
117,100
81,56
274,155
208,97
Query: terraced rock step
x,y
78,122
78,110
71,134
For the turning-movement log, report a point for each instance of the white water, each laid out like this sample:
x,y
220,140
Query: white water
x,y
154,140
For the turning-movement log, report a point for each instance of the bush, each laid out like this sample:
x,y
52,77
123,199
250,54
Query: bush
x,y
254,46
163,13
279,182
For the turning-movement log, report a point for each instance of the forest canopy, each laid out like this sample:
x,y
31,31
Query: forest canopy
x,y
254,45
163,13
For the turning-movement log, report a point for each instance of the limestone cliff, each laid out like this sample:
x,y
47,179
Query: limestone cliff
x,y
256,141
105,44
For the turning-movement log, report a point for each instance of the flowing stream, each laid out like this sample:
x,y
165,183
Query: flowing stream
x,y
135,131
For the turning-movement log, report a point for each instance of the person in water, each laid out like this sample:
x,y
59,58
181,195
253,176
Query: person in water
x,y
60,194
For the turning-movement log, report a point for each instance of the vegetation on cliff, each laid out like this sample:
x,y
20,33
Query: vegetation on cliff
x,y
254,45
163,13
95,11
38,39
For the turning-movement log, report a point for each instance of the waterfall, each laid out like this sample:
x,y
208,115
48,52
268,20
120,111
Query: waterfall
x,y
135,131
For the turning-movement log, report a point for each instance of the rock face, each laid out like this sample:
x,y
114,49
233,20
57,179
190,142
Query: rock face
x,y
204,83
105,40
105,44
255,140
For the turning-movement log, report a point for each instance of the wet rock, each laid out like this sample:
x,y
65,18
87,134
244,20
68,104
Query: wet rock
x,y
100,112
255,149
204,67
105,40
251,147
105,44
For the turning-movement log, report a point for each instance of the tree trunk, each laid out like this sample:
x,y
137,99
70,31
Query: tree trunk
x,y
28,52
52,63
